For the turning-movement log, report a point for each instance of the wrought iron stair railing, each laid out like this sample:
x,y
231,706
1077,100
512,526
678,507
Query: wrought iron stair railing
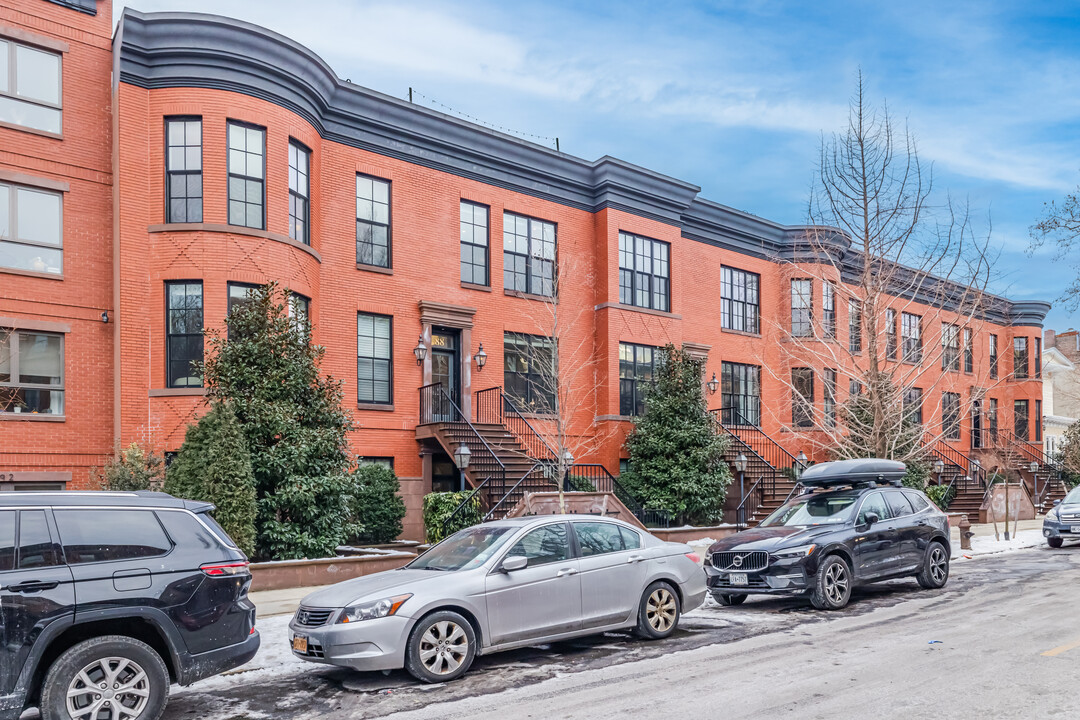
x,y
437,407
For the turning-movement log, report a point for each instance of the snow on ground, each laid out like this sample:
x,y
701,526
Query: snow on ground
x,y
274,658
987,545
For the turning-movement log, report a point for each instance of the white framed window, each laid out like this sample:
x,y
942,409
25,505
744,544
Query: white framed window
x,y
31,372
31,87
31,229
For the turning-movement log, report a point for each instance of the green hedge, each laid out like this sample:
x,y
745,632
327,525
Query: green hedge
x,y
377,504
941,495
438,507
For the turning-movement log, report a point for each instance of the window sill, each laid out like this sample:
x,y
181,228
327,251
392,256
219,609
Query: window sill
x,y
744,333
234,230
614,418
34,131
635,308
375,269
529,296
538,416
473,286
176,392
378,407
32,417
31,273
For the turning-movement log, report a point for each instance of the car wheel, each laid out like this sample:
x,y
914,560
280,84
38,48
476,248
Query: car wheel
x,y
112,676
441,648
658,612
1055,542
729,600
935,570
832,590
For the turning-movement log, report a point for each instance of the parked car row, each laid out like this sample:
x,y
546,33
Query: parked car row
x,y
1063,521
108,598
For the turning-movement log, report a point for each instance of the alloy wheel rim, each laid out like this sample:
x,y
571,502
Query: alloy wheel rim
x,y
660,610
112,688
443,647
937,565
836,583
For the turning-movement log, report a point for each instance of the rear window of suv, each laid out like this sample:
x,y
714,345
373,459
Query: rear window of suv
x,y
91,536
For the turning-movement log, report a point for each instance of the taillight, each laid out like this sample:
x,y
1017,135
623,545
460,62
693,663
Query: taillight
x,y
694,556
222,569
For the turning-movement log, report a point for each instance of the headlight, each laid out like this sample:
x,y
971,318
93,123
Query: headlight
x,y
386,607
795,552
1055,514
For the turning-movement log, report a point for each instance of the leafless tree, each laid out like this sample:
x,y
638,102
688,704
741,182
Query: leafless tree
x,y
909,277
1060,225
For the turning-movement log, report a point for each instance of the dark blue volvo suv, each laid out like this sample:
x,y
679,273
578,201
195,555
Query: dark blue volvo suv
x,y
107,598
855,524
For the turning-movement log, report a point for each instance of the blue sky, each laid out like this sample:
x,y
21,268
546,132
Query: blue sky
x,y
734,96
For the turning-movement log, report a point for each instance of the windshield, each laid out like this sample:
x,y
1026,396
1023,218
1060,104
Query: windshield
x,y
1073,498
823,509
464,550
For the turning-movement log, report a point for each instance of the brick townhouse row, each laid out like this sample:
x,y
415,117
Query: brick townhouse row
x,y
151,176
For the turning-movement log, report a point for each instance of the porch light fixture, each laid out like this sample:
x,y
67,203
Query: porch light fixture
x,y
420,351
462,456
713,384
740,463
481,358
1033,467
800,462
568,458
975,466
939,466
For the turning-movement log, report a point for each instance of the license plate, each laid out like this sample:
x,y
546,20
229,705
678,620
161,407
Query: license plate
x,y
299,644
1075,529
738,579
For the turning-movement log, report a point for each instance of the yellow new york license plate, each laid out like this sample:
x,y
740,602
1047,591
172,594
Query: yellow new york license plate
x,y
299,644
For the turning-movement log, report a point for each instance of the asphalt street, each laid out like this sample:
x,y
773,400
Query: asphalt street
x,y
1001,640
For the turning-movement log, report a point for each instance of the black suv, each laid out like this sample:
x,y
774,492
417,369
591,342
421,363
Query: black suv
x,y
106,598
856,525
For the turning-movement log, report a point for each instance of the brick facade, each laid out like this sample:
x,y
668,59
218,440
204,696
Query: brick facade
x,y
116,381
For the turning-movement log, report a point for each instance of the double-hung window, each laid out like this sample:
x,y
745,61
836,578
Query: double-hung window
x,y
644,272
30,87
969,354
299,192
374,359
240,295
854,325
528,371
950,415
913,405
993,356
740,394
247,185
950,347
828,310
802,307
474,243
992,419
1021,421
829,401
31,372
1020,358
740,302
890,334
528,255
1038,357
183,170
637,365
372,221
911,338
1038,421
802,397
31,229
184,333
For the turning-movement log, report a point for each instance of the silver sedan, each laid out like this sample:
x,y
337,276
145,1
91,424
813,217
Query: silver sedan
x,y
498,586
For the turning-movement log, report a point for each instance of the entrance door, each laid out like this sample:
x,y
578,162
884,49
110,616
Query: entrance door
x,y
446,365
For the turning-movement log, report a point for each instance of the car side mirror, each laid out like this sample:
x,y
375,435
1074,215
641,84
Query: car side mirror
x,y
870,518
1057,502
514,562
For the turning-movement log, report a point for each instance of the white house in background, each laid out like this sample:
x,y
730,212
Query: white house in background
x,y
1061,385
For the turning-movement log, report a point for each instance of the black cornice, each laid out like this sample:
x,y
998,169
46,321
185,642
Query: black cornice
x,y
160,50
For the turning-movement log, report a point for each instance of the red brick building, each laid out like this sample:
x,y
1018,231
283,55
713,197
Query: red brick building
x,y
222,156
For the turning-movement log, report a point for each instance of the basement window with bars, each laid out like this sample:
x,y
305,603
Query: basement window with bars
x,y
31,372
183,170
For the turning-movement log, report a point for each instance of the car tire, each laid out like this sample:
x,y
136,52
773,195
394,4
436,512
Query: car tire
x,y
441,647
729,600
935,569
659,611
131,663
832,587
1055,542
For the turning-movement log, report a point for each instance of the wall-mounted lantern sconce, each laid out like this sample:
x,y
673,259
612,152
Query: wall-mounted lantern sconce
x,y
420,351
713,384
481,358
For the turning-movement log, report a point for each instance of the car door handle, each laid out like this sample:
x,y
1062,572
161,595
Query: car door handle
x,y
33,586
566,572
634,559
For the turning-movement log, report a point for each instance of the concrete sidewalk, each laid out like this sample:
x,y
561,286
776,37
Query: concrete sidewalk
x,y
280,602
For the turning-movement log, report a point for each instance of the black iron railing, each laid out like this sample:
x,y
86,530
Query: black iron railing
x,y
757,440
482,498
436,406
493,406
755,496
1029,452
531,481
585,477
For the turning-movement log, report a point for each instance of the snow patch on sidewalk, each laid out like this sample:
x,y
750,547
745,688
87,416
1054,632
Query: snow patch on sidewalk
x,y
987,545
